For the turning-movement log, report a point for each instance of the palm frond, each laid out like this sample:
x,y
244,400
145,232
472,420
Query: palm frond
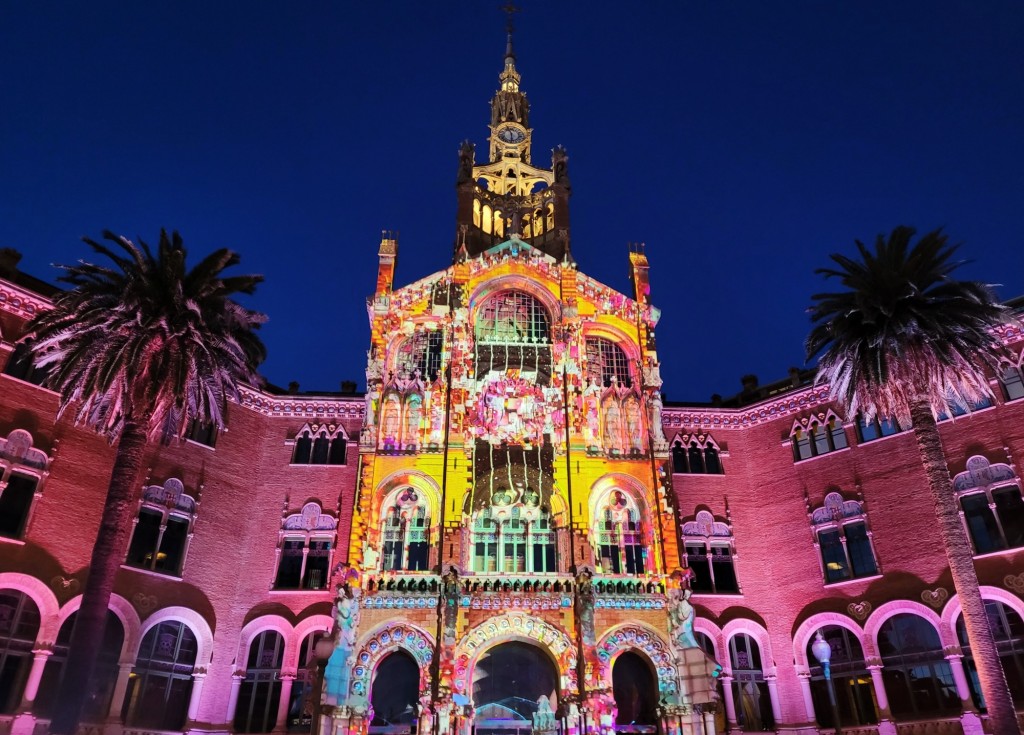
x,y
903,329
144,338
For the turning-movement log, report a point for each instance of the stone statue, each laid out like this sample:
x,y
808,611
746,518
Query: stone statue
x,y
338,673
655,408
544,717
680,618
585,605
451,591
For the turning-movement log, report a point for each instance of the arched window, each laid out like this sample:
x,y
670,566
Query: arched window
x,y
918,679
850,676
709,555
405,532
993,509
260,693
321,444
696,454
100,687
606,362
422,351
876,428
19,626
477,221
621,543
513,317
515,539
21,366
305,543
817,435
22,470
635,690
1008,630
395,692
842,537
163,529
750,691
1012,381
161,683
300,704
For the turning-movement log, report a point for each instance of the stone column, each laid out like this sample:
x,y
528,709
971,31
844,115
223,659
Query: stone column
x,y
39,658
885,723
805,689
198,679
236,685
124,672
730,703
287,677
969,720
773,694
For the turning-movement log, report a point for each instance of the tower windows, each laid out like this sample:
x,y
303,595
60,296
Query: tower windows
x,y
843,540
513,317
607,363
163,529
817,435
620,534
405,531
709,555
320,444
696,454
876,428
304,551
514,539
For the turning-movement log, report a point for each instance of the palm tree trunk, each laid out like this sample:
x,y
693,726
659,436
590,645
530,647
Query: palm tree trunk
x,y
107,556
1002,718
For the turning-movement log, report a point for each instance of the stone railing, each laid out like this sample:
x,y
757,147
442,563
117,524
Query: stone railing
x,y
408,590
517,592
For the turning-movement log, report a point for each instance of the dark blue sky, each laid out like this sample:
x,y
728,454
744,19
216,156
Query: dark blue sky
x,y
742,141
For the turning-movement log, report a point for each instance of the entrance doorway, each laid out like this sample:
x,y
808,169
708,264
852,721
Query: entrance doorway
x,y
508,683
636,694
394,695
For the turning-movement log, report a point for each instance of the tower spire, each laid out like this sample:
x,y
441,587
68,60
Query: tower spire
x,y
510,11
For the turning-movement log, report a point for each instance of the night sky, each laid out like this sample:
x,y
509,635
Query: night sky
x,y
742,141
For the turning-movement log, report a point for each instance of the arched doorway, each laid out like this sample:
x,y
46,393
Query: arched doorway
x,y
509,682
394,694
636,694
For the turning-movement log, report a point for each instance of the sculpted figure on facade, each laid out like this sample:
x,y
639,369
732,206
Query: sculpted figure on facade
x,y
338,673
656,408
544,717
680,613
590,415
451,590
585,605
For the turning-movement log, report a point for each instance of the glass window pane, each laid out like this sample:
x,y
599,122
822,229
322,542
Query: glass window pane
x,y
833,556
981,524
15,502
1010,508
859,548
143,546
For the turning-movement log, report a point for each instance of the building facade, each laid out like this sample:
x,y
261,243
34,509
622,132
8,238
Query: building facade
x,y
509,530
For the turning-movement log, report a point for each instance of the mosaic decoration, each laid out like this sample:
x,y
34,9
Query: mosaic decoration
x,y
398,636
636,637
509,627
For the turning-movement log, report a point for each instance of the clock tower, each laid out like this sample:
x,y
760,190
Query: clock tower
x,y
508,197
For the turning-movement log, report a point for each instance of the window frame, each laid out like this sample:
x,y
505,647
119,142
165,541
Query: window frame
x,y
836,515
19,456
818,435
169,502
527,527
716,543
311,525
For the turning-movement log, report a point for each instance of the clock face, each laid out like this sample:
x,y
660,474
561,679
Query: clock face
x,y
512,135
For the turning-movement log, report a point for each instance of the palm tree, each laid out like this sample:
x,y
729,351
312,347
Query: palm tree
x,y
141,348
904,341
